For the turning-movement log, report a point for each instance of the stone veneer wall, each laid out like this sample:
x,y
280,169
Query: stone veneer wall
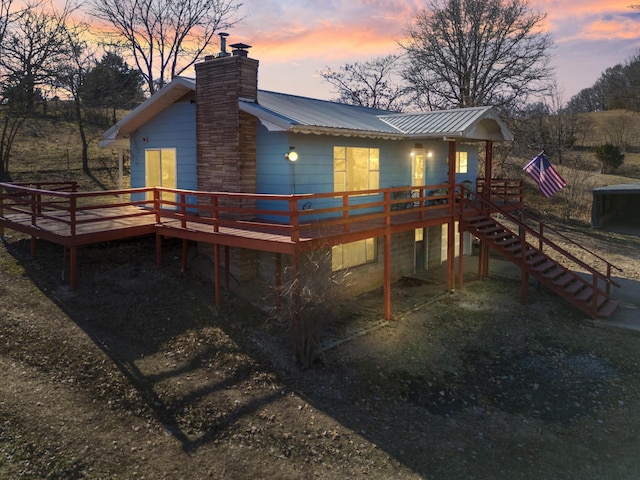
x,y
226,137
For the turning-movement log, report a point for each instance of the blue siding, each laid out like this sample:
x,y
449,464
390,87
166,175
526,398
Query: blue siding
x,y
313,171
174,127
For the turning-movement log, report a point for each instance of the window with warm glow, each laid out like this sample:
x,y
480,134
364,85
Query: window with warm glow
x,y
461,162
160,170
353,254
355,168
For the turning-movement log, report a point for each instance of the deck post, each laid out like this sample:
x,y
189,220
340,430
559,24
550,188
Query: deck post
x,y
73,278
216,260
120,172
185,249
278,285
227,268
488,188
460,257
295,306
524,276
387,256
451,240
387,276
158,250
1,210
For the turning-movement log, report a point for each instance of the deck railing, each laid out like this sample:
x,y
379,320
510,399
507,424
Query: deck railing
x,y
59,203
295,216
540,238
291,215
508,192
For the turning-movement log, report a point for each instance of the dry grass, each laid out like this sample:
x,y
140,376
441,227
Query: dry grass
x,y
51,150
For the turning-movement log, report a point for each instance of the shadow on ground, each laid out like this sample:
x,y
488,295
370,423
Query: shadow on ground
x,y
464,385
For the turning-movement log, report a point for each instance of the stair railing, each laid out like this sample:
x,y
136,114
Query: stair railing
x,y
470,203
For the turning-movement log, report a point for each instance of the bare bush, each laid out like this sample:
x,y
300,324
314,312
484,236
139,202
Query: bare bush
x,y
576,196
312,298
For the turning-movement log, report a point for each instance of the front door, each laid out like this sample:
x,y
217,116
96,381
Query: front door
x,y
418,162
160,171
418,167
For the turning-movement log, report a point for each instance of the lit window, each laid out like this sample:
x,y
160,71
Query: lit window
x,y
160,170
353,254
461,162
355,168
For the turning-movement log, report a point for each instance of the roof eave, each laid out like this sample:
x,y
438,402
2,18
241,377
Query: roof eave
x,y
144,112
346,132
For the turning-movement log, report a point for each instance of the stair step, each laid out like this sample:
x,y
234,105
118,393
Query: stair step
x,y
543,267
486,222
535,259
553,273
574,287
490,230
607,309
508,241
564,279
585,294
514,248
477,218
499,236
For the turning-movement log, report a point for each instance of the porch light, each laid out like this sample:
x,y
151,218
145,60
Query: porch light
x,y
292,155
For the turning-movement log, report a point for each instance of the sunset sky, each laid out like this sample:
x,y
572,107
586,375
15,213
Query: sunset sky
x,y
294,39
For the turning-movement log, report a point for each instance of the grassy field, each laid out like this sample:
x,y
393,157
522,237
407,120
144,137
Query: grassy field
x,y
51,150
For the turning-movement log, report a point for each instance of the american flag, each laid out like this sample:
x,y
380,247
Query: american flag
x,y
547,178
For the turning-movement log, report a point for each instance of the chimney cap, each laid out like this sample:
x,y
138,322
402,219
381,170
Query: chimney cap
x,y
240,49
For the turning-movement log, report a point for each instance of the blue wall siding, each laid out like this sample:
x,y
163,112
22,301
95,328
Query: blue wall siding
x,y
313,171
174,127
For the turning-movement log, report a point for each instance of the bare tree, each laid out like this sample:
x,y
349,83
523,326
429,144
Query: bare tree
x,y
33,47
368,84
465,53
165,37
70,78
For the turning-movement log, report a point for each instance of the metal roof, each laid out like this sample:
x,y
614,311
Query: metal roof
x,y
479,123
618,189
283,112
310,112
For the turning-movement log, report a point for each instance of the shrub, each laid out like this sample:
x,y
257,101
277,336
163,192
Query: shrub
x,y
609,157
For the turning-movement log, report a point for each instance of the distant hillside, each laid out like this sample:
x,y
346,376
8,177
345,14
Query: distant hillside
x,y
47,149
618,127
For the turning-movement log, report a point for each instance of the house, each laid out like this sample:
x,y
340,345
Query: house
x,y
220,133
278,186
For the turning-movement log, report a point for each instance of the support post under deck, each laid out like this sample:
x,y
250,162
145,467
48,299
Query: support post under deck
x,y
216,260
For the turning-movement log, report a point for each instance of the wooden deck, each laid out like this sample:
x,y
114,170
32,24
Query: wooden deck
x,y
281,224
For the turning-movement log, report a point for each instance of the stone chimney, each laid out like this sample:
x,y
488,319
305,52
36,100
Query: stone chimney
x,y
225,136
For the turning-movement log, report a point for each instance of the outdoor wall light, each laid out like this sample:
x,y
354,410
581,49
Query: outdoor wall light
x,y
292,155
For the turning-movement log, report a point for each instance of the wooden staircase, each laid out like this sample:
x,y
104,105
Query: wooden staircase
x,y
591,297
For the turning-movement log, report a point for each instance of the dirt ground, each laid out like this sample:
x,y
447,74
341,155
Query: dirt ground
x,y
136,374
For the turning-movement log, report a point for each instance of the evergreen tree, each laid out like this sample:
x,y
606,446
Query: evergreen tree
x,y
111,84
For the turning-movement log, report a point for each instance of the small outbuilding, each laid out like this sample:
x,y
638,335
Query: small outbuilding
x,y
616,207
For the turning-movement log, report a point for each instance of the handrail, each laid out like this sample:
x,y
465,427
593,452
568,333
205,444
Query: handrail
x,y
224,208
544,240
250,211
506,189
